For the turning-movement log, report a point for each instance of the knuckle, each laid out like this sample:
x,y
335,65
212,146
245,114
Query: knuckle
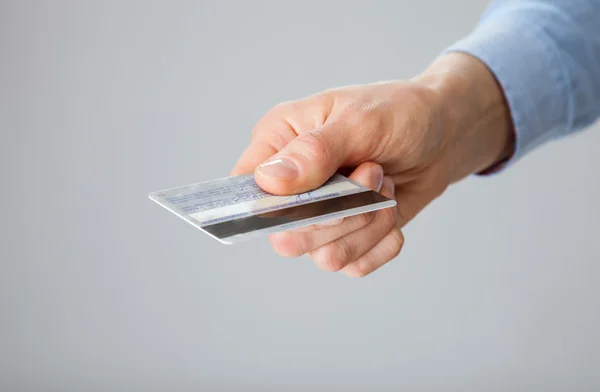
x,y
313,146
288,244
364,219
388,218
368,113
274,114
276,140
397,243
331,257
369,119
282,107
357,270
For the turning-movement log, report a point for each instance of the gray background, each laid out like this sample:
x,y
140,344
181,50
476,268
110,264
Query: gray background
x,y
101,289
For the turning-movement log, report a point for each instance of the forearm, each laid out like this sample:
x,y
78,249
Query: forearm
x,y
474,113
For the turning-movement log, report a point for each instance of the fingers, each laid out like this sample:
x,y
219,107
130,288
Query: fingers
x,y
368,174
357,246
254,155
385,250
338,254
280,125
298,242
264,145
305,163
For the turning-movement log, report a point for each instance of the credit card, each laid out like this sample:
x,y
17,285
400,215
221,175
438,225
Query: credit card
x,y
235,209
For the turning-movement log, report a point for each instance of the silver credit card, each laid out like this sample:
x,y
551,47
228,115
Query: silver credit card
x,y
234,209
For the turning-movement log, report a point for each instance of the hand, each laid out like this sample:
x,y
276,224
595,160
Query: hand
x,y
408,140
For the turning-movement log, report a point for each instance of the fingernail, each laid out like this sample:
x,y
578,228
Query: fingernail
x,y
377,177
332,222
280,168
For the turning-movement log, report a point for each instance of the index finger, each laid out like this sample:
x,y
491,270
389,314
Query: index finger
x,y
269,136
280,125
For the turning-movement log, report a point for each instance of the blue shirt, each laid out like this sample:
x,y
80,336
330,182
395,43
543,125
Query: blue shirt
x,y
546,57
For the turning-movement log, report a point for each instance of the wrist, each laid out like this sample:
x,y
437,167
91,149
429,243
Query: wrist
x,y
473,111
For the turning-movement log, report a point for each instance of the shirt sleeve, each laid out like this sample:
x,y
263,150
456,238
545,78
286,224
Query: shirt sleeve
x,y
546,57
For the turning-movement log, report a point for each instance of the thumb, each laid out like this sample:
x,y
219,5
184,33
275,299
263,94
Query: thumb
x,y
305,163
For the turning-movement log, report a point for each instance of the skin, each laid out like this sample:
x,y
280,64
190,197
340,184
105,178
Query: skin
x,y
409,140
